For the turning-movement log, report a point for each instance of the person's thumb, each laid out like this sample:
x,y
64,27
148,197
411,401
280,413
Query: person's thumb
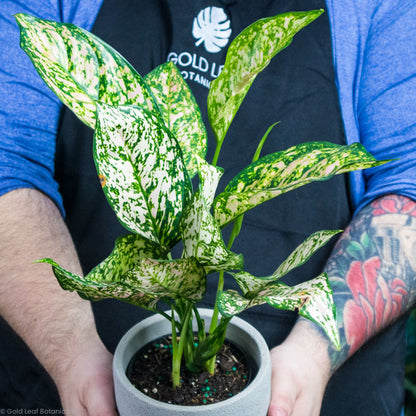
x,y
283,392
282,401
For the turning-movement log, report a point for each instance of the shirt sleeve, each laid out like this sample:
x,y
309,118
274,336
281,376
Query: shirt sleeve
x,y
386,101
374,52
29,111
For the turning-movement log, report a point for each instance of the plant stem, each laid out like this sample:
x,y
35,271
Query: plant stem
x,y
215,314
174,342
201,325
216,154
234,233
262,141
177,350
165,315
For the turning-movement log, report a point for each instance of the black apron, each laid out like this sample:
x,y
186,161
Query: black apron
x,y
297,89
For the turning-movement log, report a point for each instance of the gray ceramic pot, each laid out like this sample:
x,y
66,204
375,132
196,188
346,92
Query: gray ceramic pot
x,y
252,401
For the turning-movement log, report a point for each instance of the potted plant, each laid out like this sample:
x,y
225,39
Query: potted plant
x,y
149,142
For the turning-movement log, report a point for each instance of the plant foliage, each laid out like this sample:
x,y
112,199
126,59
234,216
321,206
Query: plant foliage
x,y
149,140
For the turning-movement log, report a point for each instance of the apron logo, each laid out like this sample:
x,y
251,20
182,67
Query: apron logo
x,y
212,28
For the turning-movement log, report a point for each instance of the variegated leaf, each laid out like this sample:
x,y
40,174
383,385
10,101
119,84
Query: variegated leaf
x,y
312,299
250,285
120,83
97,290
149,282
108,279
129,250
203,240
304,251
180,112
182,278
209,177
142,171
231,303
280,172
80,68
249,53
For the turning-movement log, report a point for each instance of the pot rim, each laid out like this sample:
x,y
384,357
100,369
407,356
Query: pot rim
x,y
253,333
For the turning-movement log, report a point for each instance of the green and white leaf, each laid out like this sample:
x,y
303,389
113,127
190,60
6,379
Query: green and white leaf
x,y
98,290
181,278
315,303
249,53
120,83
230,303
129,250
149,282
304,251
280,172
203,240
180,112
312,299
209,177
108,279
142,171
80,68
251,285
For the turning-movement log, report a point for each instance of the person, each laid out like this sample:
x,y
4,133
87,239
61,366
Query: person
x,y
348,77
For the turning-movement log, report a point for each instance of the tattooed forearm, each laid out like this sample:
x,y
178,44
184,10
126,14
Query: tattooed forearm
x,y
373,271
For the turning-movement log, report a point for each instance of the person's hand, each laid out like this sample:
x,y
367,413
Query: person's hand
x,y
57,325
300,373
86,384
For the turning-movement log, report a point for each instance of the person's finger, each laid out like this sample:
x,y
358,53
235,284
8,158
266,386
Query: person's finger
x,y
284,392
100,400
75,408
282,401
276,411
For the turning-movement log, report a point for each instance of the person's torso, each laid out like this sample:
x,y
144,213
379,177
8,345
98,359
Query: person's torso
x,y
297,89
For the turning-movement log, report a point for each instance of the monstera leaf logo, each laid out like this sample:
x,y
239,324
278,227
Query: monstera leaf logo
x,y
212,28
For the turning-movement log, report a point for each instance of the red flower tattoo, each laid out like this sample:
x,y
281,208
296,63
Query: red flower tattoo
x,y
376,302
394,204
